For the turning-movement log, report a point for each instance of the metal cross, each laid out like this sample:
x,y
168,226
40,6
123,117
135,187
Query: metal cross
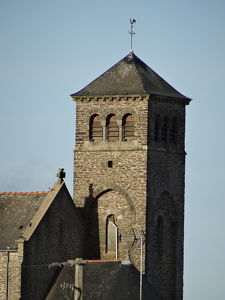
x,y
131,32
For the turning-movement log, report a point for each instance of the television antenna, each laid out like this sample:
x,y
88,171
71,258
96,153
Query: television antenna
x,y
138,239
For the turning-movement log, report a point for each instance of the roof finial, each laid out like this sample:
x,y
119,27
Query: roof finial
x,y
131,32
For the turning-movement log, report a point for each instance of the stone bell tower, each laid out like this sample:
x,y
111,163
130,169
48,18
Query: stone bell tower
x,y
129,170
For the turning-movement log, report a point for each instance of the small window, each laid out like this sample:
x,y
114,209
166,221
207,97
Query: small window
x,y
95,129
112,128
128,127
110,164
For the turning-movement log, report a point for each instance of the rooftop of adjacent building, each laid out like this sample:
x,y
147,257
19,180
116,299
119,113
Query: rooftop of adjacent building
x,y
19,208
103,280
23,193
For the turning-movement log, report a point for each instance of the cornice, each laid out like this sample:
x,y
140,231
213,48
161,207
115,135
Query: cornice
x,y
138,97
135,97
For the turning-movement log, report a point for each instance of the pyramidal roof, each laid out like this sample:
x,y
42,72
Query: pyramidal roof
x,y
130,76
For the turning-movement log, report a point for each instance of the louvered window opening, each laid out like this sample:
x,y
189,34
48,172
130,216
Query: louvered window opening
x,y
96,129
174,131
112,129
164,131
128,127
157,128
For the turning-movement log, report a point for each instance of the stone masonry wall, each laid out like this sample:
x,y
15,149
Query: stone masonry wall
x,y
148,174
127,176
58,237
166,171
10,282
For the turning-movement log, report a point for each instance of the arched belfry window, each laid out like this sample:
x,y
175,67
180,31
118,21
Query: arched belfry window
x,y
112,128
128,127
160,235
111,234
174,131
157,129
165,130
95,128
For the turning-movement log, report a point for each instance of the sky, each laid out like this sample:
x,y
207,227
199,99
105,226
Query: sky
x,y
50,49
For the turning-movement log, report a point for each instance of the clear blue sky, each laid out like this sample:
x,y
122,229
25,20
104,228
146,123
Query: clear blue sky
x,y
50,49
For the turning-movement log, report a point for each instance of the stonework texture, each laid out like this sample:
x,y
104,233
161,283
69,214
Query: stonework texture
x,y
10,270
59,235
118,190
165,197
143,181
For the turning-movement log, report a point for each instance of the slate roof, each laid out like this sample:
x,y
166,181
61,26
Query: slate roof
x,y
130,76
113,280
17,210
104,280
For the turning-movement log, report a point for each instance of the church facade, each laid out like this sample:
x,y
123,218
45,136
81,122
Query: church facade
x,y
129,171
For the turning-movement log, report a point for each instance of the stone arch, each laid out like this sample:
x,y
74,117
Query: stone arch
x,y
128,110
171,208
164,241
159,113
112,186
90,112
108,111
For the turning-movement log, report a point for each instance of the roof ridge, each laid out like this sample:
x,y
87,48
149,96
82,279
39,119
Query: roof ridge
x,y
139,73
23,193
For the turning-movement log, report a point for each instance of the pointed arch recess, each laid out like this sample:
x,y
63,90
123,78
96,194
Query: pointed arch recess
x,y
171,206
112,186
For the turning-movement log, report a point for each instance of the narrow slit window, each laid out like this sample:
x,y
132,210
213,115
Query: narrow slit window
x,y
110,164
111,235
160,235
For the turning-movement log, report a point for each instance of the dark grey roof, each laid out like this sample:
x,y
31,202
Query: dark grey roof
x,y
104,280
116,281
17,210
130,76
64,275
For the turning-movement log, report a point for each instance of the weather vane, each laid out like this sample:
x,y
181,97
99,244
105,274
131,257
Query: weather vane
x,y
131,32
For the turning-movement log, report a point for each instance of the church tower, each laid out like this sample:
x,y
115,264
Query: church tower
x,y
129,170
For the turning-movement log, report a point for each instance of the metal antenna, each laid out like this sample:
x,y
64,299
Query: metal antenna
x,y
131,32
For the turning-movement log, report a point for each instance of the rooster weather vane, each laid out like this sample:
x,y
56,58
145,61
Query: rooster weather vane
x,y
131,32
